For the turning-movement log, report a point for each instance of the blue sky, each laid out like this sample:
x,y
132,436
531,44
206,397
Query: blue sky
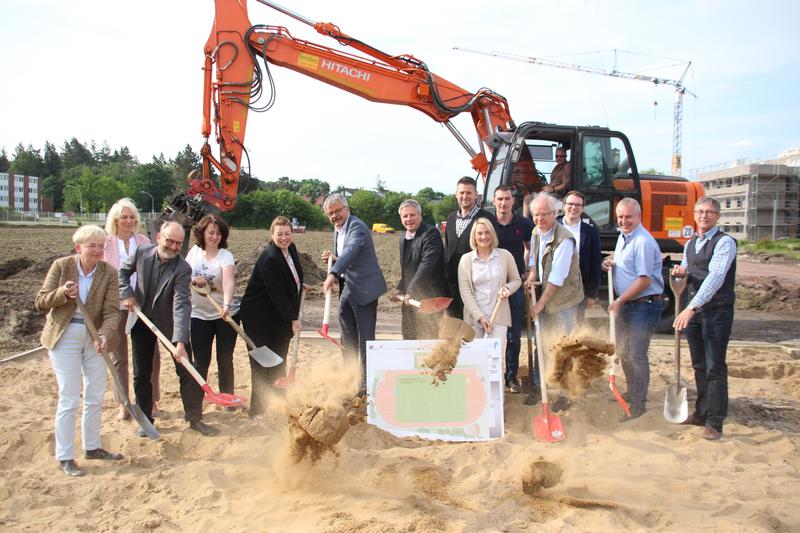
x,y
128,73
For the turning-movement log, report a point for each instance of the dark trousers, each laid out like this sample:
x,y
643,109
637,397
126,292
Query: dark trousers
x,y
143,343
708,333
456,308
203,333
635,327
277,339
358,326
517,303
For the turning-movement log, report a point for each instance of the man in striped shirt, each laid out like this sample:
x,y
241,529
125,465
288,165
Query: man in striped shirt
x,y
709,261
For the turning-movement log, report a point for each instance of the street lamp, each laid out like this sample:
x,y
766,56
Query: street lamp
x,y
80,197
152,203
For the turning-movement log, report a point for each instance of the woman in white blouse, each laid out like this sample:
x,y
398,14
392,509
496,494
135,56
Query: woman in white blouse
x,y
485,275
215,266
123,238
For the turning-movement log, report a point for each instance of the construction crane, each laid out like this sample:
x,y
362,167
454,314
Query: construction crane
x,y
680,89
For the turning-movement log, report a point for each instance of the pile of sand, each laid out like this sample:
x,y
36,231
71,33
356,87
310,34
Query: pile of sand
x,y
577,361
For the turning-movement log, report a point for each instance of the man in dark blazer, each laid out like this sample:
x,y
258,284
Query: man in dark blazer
x,y
421,271
590,257
161,292
355,267
456,237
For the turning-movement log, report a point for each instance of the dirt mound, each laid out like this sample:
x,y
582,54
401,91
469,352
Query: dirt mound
x,y
577,361
12,266
766,295
541,475
312,274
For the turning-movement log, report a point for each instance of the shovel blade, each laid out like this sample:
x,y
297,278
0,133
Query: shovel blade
x,y
137,414
434,305
676,408
265,357
547,427
222,398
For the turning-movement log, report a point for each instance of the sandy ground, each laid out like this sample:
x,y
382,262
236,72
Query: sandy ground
x,y
646,474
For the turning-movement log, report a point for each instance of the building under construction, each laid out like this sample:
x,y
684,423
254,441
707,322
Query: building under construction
x,y
759,199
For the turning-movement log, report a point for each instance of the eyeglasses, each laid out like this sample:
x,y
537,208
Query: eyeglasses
x,y
336,211
573,204
93,245
542,215
172,242
705,212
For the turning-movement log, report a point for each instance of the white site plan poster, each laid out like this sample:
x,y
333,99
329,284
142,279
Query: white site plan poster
x,y
406,400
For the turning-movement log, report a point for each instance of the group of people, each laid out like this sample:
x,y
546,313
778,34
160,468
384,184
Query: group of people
x,y
482,263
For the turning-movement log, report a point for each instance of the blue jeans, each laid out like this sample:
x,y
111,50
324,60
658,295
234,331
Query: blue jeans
x,y
708,333
635,326
517,303
553,325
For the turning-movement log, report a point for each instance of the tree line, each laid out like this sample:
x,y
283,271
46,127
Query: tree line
x,y
91,177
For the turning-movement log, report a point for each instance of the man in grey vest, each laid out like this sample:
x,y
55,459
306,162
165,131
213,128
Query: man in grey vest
x,y
709,261
554,262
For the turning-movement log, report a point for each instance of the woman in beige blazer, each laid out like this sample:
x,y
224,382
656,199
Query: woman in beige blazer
x,y
486,275
72,351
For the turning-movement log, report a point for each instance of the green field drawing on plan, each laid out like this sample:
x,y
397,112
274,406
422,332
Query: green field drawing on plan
x,y
420,401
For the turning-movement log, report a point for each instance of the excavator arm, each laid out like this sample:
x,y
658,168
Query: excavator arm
x,y
235,81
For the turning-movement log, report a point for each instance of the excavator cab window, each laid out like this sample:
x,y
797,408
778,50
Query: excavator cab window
x,y
606,173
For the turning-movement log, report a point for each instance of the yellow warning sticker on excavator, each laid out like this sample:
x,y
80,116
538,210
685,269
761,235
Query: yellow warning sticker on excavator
x,y
308,61
673,223
237,126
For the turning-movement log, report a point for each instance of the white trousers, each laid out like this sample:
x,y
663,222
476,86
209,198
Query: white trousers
x,y
74,353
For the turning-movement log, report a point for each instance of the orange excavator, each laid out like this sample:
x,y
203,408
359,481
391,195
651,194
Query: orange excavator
x,y
602,163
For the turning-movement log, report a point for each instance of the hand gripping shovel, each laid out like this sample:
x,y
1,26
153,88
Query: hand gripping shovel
x,y
284,382
326,315
429,305
612,367
263,355
134,410
548,427
676,408
219,398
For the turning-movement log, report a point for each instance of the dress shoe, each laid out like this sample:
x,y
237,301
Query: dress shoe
x,y
561,404
694,420
710,433
70,468
203,428
100,453
636,412
513,386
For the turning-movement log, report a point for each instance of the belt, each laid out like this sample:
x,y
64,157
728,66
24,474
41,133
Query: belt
x,y
646,299
76,321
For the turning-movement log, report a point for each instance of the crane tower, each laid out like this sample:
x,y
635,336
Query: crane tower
x,y
680,89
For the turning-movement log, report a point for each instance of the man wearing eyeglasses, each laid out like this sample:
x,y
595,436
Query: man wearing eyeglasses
x,y
162,294
554,263
590,257
361,282
560,177
709,262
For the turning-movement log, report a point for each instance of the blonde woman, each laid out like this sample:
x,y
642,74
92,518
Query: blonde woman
x,y
72,351
122,226
485,275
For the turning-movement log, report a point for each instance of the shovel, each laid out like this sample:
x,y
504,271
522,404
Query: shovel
x,y
491,318
326,315
676,408
529,400
263,355
284,382
612,367
134,410
429,305
219,398
548,427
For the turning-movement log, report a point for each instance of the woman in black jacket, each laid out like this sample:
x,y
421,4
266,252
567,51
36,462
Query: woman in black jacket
x,y
270,307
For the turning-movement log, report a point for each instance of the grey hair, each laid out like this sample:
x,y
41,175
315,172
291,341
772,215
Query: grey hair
x,y
709,200
553,203
335,197
409,203
631,202
88,233
168,223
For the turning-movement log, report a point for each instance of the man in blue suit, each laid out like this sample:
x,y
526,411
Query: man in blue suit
x,y
360,279
590,257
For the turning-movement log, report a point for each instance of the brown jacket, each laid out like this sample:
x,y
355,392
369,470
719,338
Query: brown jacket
x,y
102,304
571,292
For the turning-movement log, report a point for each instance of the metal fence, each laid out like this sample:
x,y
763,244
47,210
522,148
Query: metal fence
x,y
67,218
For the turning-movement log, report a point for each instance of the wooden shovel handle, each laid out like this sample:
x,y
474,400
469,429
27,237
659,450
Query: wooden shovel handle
x,y
227,318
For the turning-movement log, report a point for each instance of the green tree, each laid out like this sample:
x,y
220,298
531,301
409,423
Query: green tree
x,y
52,161
185,161
259,208
74,154
283,183
445,207
27,161
391,203
367,206
154,178
5,164
314,188
428,195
